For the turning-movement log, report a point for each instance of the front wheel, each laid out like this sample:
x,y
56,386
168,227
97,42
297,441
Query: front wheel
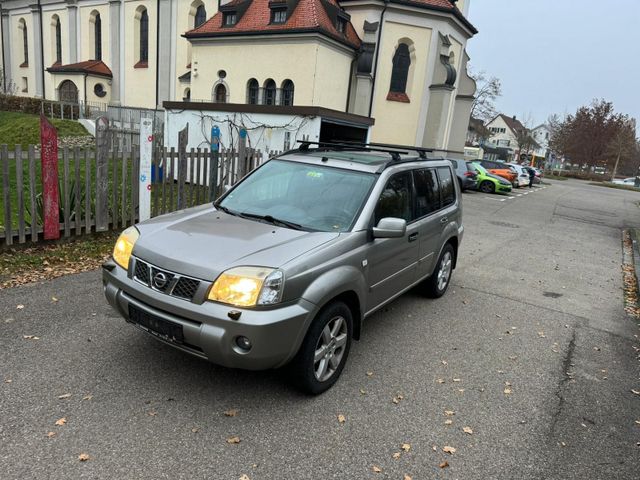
x,y
487,187
324,350
436,285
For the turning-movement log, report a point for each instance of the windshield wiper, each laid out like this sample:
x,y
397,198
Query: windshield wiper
x,y
273,220
227,210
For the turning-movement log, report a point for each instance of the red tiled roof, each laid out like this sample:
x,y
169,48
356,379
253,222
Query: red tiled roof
x,y
92,67
514,124
307,15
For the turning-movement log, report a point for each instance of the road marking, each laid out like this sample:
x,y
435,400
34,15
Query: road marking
x,y
520,194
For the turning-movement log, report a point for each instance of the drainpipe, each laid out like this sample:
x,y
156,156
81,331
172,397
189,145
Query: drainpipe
x,y
4,63
157,53
375,65
44,92
351,78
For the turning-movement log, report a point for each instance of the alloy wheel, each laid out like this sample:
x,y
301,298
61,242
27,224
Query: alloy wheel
x,y
330,348
444,273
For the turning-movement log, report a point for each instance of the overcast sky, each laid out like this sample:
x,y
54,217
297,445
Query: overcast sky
x,y
553,56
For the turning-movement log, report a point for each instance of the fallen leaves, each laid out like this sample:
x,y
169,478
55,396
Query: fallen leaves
x,y
30,337
195,430
342,418
448,422
87,397
51,434
635,392
507,391
363,391
152,413
233,440
448,449
467,430
440,380
19,307
396,455
61,422
7,380
444,464
406,447
397,399
83,457
369,374
376,469
244,477
65,396
407,477
449,413
231,413
541,334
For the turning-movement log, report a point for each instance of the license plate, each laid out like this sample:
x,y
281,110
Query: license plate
x,y
157,326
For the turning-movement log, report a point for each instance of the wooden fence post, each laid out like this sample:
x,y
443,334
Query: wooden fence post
x,y
102,173
183,137
4,155
20,186
32,193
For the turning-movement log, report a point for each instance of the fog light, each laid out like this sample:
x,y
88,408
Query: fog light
x,y
243,343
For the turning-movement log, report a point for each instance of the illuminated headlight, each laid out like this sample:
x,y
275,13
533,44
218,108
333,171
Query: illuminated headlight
x,y
248,287
124,246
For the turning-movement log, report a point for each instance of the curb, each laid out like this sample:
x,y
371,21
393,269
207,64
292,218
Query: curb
x,y
630,271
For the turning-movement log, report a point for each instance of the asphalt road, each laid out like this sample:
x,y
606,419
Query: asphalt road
x,y
536,309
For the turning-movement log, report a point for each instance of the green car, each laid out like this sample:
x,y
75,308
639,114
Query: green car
x,y
490,183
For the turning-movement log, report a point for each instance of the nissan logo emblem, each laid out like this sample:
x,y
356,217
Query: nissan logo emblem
x,y
160,280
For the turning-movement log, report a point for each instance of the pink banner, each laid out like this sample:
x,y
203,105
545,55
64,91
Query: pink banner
x,y
50,196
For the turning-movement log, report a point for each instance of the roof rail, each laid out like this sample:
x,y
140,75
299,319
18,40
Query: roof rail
x,y
324,146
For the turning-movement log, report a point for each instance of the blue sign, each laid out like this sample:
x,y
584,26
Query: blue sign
x,y
243,133
215,138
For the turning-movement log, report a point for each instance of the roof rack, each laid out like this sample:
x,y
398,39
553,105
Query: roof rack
x,y
354,146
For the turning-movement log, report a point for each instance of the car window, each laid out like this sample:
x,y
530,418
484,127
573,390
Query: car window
x,y
454,163
316,197
447,189
396,199
427,191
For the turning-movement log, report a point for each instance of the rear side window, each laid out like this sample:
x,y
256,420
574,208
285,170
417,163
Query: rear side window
x,y
447,189
396,199
454,163
427,191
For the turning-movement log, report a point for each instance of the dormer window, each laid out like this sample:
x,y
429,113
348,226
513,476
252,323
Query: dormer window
x,y
230,19
278,14
341,25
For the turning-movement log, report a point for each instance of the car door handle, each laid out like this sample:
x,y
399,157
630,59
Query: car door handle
x,y
444,220
413,237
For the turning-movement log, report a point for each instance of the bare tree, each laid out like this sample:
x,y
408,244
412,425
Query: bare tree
x,y
623,143
488,89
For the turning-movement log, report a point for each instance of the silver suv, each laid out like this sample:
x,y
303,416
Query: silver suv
x,y
284,268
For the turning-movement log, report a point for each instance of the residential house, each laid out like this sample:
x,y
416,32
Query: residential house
x,y
504,132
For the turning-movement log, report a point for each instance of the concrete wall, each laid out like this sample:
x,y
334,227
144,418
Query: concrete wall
x,y
17,56
140,83
265,131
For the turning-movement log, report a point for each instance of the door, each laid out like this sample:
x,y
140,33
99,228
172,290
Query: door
x,y
430,218
68,92
393,261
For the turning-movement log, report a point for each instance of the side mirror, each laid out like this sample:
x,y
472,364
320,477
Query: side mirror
x,y
390,228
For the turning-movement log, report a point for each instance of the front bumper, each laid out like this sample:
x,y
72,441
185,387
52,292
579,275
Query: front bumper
x,y
209,332
503,188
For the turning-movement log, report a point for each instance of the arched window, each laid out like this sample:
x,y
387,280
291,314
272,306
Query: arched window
x,y
25,42
253,91
57,34
144,36
187,95
221,93
200,17
68,92
400,71
269,97
97,35
287,93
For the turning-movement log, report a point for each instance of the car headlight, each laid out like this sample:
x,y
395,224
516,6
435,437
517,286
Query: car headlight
x,y
248,286
124,246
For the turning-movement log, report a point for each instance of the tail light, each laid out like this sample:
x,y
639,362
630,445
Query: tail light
x,y
470,174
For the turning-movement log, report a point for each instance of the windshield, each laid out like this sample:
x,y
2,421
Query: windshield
x,y
312,197
480,168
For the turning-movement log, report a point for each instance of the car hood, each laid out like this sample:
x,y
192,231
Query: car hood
x,y
498,178
203,242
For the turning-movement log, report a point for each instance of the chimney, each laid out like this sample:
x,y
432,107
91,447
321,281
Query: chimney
x,y
514,118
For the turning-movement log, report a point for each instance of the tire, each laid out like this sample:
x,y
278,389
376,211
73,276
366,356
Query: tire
x,y
487,187
436,285
332,328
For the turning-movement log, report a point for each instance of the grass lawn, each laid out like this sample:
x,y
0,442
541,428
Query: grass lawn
x,y
24,129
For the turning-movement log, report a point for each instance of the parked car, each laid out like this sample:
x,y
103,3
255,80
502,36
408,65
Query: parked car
x,y
467,175
631,181
501,169
522,179
537,179
284,268
489,183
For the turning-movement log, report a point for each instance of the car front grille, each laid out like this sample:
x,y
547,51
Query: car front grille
x,y
164,281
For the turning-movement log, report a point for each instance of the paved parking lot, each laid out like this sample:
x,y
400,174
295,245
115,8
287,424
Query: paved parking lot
x,y
530,351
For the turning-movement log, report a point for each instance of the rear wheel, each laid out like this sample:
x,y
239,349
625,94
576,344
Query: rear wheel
x,y
436,285
324,350
487,187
